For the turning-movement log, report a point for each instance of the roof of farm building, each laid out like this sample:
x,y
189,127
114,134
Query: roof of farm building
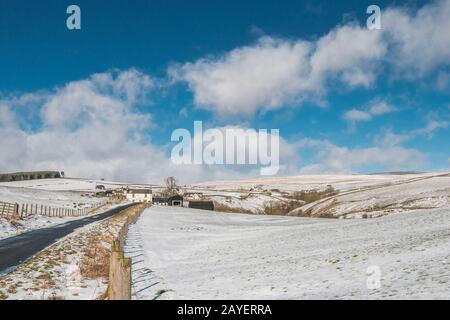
x,y
139,191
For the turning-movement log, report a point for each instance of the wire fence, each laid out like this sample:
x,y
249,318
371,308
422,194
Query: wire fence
x,y
21,211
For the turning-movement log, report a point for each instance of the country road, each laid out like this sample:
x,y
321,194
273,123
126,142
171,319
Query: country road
x,y
17,249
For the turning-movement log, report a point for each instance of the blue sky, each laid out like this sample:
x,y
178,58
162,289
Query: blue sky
x,y
346,99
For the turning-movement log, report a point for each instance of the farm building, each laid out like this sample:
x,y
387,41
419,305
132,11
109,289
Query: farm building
x,y
139,195
173,201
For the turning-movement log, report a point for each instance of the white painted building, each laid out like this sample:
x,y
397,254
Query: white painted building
x,y
139,195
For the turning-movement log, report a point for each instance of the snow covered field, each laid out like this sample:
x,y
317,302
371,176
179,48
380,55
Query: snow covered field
x,y
55,193
80,185
193,254
57,199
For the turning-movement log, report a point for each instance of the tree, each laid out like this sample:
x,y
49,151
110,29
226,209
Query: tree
x,y
171,185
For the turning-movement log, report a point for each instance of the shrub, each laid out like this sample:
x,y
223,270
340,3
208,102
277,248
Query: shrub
x,y
281,207
313,195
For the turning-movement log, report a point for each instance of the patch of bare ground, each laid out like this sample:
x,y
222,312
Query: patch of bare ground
x,y
221,207
300,198
281,207
76,267
327,211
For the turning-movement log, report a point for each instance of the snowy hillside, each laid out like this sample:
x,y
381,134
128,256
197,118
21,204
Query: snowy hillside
x,y
415,194
358,195
307,182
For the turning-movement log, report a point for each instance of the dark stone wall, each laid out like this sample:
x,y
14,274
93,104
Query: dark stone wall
x,y
204,205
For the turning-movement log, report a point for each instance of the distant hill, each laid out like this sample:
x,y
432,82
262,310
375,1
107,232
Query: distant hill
x,y
396,173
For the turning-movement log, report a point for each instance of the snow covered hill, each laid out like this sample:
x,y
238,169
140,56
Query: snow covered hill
x,y
358,195
420,193
307,182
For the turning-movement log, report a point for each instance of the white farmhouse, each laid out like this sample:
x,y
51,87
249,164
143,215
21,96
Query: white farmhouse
x,y
139,195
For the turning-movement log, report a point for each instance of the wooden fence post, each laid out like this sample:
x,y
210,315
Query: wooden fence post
x,y
114,288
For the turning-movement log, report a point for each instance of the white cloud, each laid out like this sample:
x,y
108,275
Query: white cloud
x,y
375,108
348,52
390,138
330,158
276,72
419,41
357,115
90,128
443,81
264,76
380,107
431,126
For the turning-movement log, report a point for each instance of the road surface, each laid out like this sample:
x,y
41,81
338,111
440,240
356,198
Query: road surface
x,y
17,249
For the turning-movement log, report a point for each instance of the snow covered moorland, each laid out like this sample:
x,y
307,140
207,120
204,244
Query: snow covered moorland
x,y
55,193
353,196
193,254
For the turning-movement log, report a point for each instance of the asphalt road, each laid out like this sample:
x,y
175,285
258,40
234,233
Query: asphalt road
x,y
17,249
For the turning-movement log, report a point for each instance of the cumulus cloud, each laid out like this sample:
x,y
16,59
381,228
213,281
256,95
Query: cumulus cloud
x,y
357,115
349,53
87,128
276,72
378,108
330,158
265,75
418,41
91,128
390,138
375,108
